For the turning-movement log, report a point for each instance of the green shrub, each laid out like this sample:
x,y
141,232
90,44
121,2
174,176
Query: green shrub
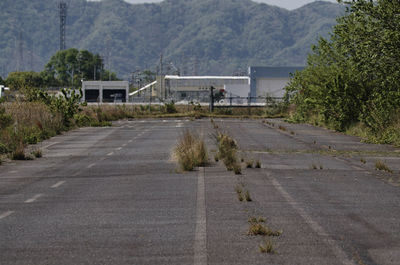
x,y
170,107
82,120
5,119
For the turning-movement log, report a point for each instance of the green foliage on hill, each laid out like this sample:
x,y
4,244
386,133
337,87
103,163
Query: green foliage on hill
x,y
355,77
224,35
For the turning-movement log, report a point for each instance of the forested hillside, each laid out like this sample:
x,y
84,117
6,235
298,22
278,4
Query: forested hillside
x,y
214,36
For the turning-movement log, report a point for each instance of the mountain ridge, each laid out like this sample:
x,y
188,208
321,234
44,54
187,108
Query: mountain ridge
x,y
225,36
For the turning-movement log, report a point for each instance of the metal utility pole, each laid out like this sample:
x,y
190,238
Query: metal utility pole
x,y
212,98
63,23
161,64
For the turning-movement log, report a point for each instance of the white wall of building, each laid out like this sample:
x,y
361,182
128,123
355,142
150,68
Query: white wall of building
x,y
272,87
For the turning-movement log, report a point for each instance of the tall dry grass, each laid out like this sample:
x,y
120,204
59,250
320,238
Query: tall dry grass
x,y
190,151
31,122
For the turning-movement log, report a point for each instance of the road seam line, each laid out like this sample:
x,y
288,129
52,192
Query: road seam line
x,y
58,184
4,215
200,239
34,198
337,251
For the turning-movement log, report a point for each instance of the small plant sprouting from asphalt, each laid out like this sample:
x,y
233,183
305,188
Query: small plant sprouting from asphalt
x,y
362,160
190,152
314,166
380,165
321,167
257,220
249,164
237,169
247,196
292,132
282,128
258,164
257,228
267,247
239,192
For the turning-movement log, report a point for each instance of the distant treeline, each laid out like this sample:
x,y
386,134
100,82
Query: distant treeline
x,y
65,69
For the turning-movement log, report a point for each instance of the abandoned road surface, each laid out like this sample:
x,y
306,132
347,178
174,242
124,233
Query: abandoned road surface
x,y
113,196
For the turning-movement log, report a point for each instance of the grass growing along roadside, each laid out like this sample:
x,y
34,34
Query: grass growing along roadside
x,y
190,151
37,153
380,165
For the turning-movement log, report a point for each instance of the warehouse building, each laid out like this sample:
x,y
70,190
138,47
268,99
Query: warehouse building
x,y
105,91
270,81
261,82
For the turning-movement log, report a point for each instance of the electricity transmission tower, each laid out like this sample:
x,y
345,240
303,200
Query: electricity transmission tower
x,y
20,52
63,23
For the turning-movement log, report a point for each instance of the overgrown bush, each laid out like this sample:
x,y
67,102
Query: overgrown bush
x,y
354,76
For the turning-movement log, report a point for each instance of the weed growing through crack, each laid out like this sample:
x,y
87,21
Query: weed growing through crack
x,y
227,149
258,164
314,166
239,192
249,164
282,128
362,160
257,228
267,247
380,165
247,196
237,169
190,152
256,220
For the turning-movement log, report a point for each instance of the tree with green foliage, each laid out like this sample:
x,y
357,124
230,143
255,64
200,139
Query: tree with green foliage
x,y
1,81
69,67
22,80
354,76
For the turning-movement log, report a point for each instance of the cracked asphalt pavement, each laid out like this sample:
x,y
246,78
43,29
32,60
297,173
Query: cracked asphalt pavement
x,y
113,196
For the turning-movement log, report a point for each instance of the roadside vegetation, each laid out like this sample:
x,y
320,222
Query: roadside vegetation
x,y
351,82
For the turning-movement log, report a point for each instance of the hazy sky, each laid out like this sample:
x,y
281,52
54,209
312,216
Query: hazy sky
x,y
288,4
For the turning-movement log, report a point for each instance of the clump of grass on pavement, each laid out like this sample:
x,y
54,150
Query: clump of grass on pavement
x,y
190,152
227,152
380,165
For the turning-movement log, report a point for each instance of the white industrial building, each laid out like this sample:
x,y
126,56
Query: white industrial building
x,y
261,82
